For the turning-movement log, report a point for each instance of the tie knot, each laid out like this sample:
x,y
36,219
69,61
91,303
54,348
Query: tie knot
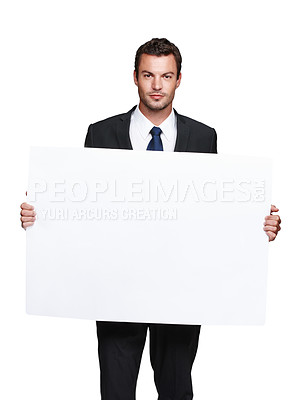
x,y
155,131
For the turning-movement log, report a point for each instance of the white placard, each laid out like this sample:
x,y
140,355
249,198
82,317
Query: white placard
x,y
148,236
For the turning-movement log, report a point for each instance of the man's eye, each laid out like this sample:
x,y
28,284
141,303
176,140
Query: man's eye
x,y
167,76
147,75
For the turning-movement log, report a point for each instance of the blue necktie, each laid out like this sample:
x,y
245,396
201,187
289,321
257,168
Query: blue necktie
x,y
155,143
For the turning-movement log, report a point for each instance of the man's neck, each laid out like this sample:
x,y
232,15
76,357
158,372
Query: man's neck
x,y
155,116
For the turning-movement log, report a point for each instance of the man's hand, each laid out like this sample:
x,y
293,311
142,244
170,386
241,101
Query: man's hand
x,y
272,224
28,215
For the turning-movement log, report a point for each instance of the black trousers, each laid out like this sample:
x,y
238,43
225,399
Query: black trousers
x,y
172,352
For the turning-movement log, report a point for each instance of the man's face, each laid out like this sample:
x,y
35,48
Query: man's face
x,y
157,81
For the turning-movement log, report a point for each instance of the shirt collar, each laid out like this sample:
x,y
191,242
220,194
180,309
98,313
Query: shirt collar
x,y
167,126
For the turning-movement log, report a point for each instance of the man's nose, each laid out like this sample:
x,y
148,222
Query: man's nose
x,y
156,83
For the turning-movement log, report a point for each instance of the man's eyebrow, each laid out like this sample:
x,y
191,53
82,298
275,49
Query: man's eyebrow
x,y
148,72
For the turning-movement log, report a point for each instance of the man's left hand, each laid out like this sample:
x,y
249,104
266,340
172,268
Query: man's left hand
x,y
272,224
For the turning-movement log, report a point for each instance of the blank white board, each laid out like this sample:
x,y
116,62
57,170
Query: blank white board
x,y
153,237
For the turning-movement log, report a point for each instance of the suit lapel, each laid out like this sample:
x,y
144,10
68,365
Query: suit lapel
x,y
182,134
122,131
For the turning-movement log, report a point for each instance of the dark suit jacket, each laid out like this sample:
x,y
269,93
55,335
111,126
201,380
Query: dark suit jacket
x,y
113,133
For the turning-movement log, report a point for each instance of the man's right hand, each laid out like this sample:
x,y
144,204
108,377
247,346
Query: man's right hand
x,y
28,215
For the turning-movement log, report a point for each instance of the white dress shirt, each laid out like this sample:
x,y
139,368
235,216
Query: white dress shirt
x,y
140,128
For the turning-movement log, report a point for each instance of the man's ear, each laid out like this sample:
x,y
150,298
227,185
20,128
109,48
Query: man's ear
x,y
135,78
178,80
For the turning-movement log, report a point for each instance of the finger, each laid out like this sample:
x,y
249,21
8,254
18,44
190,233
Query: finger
x,y
272,221
26,206
274,229
271,236
28,219
273,208
271,228
28,213
25,225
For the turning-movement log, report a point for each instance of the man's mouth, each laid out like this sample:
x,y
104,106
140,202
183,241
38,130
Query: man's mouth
x,y
156,96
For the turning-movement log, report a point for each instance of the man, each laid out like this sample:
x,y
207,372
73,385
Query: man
x,y
153,125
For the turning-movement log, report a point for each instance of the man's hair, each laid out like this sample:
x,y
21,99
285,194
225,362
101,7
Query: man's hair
x,y
158,47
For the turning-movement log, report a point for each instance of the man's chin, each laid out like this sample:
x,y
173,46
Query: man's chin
x,y
156,105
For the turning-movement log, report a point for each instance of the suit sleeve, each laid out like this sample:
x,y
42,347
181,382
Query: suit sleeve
x,y
214,142
89,137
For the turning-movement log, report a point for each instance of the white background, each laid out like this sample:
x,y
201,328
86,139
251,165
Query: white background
x,y
66,64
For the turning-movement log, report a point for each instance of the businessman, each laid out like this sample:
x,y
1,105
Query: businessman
x,y
152,125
